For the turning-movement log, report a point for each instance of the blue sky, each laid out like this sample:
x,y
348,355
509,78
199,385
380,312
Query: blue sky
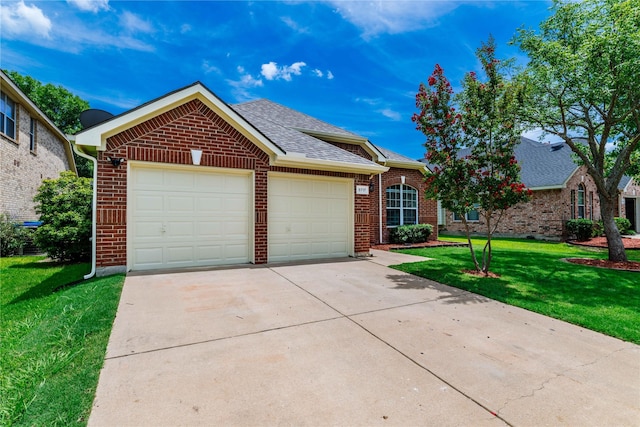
x,y
355,64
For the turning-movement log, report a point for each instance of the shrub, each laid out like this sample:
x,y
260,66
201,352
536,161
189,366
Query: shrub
x,y
581,228
598,229
64,205
417,233
623,224
13,236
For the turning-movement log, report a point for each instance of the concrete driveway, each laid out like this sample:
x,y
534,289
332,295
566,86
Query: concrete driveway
x,y
351,343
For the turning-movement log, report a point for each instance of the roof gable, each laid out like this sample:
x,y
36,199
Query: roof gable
x,y
285,147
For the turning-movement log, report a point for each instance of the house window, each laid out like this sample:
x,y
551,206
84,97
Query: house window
x,y
472,215
32,135
573,204
581,202
402,205
7,116
591,205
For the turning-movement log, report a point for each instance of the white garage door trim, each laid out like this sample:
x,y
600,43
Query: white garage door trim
x,y
309,217
201,244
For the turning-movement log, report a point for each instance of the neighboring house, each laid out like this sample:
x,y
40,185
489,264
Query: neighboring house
x,y
187,180
629,202
32,149
562,190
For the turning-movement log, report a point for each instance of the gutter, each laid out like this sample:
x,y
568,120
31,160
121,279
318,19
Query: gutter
x,y
94,203
380,206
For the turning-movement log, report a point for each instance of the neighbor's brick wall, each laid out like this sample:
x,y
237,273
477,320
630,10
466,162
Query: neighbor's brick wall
x,y
544,216
427,209
22,170
168,138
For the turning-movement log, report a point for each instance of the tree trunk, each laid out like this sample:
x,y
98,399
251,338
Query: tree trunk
x,y
614,240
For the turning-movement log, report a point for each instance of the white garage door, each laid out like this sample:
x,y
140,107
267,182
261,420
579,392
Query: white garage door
x,y
309,217
187,217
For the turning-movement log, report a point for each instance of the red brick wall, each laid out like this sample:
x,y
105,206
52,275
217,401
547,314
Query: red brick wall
x,y
169,138
427,209
352,148
544,216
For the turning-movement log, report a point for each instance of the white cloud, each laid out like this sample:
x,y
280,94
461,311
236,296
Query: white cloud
x,y
243,84
18,19
329,75
90,5
134,24
389,113
208,68
271,70
391,16
317,72
294,25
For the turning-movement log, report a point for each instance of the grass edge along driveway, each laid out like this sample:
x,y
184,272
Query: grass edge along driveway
x,y
54,333
533,276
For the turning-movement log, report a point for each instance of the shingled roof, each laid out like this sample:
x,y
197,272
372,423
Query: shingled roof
x,y
544,166
289,129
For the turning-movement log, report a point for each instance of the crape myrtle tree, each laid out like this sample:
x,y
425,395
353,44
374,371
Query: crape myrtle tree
x,y
470,141
584,86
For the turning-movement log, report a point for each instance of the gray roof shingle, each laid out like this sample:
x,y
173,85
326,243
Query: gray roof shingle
x,y
280,124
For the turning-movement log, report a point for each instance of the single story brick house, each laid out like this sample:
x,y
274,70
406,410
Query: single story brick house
x,y
187,180
562,190
32,149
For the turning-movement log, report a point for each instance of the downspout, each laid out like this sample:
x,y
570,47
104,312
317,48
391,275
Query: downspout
x,y
94,203
380,205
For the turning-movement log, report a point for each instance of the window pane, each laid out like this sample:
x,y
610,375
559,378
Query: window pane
x,y
457,217
393,196
409,197
11,128
473,216
393,217
410,216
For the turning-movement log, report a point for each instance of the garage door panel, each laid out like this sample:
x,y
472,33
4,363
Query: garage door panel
x,y
179,180
308,217
195,218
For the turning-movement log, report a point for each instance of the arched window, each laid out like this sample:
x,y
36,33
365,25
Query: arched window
x,y
402,205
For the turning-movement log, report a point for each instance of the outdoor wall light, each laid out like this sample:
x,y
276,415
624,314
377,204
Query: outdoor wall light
x,y
371,186
115,161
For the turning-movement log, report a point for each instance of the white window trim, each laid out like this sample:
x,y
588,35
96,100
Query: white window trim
x,y
401,208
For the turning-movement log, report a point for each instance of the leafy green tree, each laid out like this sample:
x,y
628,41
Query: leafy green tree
x,y
60,105
64,205
584,86
472,149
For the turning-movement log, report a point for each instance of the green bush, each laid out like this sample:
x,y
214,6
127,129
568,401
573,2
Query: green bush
x,y
417,233
64,205
598,229
623,224
581,228
13,236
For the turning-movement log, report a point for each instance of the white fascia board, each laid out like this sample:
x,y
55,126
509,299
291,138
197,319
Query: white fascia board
x,y
328,165
548,187
97,136
406,165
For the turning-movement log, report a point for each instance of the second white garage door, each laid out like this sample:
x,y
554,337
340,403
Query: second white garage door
x,y
309,217
188,217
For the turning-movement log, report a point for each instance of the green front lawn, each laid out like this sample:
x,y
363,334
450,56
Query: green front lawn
x,y
533,276
54,332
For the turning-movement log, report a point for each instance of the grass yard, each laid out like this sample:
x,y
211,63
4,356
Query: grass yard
x,y
533,276
53,339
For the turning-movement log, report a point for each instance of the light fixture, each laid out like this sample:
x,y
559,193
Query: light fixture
x,y
371,186
115,161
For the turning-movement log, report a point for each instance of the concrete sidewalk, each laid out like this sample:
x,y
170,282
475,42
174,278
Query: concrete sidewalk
x,y
351,343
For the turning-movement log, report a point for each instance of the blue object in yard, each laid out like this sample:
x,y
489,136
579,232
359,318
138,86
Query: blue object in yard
x,y
32,224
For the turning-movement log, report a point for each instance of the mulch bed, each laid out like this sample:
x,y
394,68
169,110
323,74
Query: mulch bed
x,y
428,244
601,242
604,263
